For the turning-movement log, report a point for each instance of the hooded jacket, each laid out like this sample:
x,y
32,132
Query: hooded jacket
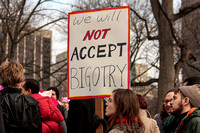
x,y
189,124
50,115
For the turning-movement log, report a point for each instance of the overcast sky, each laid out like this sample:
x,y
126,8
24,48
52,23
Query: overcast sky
x,y
59,41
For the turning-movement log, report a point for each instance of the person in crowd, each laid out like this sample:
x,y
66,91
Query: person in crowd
x,y
2,129
122,108
191,81
143,105
63,110
81,116
65,102
20,113
55,92
165,110
1,87
149,123
52,119
49,94
185,104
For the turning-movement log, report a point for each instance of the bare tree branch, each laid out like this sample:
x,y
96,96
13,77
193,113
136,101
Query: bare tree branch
x,y
149,90
149,82
186,10
146,25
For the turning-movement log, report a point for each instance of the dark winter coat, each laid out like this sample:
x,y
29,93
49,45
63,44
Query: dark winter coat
x,y
189,124
2,129
20,113
80,117
63,111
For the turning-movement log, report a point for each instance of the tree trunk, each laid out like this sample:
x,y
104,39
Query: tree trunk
x,y
166,75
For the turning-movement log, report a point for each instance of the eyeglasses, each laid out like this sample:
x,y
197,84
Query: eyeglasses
x,y
167,101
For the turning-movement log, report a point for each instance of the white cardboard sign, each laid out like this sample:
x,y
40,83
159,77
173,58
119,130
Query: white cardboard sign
x,y
98,52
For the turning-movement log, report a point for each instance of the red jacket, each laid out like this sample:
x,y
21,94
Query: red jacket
x,y
51,116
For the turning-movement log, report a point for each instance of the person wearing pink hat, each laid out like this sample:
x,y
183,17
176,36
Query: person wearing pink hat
x,y
65,102
1,87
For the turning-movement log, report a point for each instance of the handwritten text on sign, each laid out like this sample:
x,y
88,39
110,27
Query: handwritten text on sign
x,y
98,52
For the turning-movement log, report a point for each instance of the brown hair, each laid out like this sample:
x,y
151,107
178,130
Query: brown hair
x,y
142,101
127,106
11,73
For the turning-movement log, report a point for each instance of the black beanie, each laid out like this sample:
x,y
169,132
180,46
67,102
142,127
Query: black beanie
x,y
56,90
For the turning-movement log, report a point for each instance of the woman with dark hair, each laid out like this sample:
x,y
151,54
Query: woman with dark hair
x,y
150,124
165,110
143,105
122,108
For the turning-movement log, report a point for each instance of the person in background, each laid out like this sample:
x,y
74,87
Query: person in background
x,y
191,81
63,110
143,105
149,123
52,119
1,87
165,110
55,92
81,116
65,102
185,113
122,108
2,130
20,113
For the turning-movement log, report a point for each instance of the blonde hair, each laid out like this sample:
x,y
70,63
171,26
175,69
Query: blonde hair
x,y
11,73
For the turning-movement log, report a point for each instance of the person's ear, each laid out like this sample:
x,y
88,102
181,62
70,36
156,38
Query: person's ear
x,y
186,101
185,83
29,91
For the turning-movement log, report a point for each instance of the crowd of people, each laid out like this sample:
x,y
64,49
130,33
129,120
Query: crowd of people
x,y
25,108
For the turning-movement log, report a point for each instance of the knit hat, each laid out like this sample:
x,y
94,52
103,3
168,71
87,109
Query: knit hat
x,y
65,98
1,87
56,91
193,93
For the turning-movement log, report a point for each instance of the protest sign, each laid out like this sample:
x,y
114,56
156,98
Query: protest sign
x,y
98,52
